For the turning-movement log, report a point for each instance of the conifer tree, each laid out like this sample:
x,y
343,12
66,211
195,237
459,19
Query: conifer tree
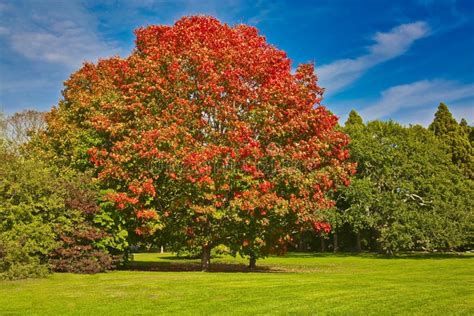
x,y
444,122
354,119
468,130
457,140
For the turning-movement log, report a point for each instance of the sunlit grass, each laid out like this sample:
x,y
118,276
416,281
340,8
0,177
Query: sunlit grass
x,y
296,283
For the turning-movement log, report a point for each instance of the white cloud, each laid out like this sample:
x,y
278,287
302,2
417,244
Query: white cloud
x,y
420,100
341,73
397,41
60,32
425,116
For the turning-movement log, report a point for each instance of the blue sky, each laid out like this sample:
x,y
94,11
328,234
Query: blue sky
x,y
387,59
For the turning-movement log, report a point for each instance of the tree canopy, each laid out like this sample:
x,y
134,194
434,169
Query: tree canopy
x,y
458,138
204,134
406,193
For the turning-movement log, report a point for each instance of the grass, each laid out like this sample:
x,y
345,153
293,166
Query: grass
x,y
294,284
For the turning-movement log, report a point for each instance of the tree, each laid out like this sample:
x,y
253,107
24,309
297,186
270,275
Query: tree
x,y
19,127
456,138
355,206
444,122
406,190
354,202
43,226
27,199
3,126
47,215
205,135
354,119
468,130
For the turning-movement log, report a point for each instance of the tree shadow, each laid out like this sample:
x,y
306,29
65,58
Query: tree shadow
x,y
424,256
193,267
173,263
318,254
373,255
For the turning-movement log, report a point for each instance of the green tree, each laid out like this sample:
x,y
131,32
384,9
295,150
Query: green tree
x,y
406,190
468,130
48,214
355,206
456,137
29,205
354,119
444,122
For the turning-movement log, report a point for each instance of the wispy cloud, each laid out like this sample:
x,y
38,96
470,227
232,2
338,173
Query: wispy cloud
x,y
423,96
58,32
265,11
425,116
341,73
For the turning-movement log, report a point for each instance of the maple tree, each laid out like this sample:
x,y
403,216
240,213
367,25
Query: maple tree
x,y
206,135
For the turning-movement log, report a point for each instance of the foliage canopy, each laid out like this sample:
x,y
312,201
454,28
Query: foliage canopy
x,y
205,135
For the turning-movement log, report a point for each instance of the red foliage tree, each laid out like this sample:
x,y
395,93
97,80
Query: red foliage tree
x,y
204,132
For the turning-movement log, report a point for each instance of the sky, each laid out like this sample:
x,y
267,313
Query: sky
x,y
386,59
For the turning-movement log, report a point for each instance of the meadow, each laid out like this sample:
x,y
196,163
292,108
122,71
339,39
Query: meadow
x,y
294,284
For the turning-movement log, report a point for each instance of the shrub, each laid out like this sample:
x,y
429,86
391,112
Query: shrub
x,y
30,205
46,221
80,250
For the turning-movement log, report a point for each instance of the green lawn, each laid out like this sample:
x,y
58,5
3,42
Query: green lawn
x,y
294,284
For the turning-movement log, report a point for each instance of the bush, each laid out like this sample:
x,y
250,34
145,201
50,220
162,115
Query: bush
x,y
30,205
46,221
81,259
80,250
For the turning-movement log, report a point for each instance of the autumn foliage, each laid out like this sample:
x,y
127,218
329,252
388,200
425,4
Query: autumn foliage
x,y
204,134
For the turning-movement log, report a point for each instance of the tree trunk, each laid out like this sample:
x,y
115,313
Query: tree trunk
x,y
161,249
358,244
252,262
323,244
300,243
336,243
206,258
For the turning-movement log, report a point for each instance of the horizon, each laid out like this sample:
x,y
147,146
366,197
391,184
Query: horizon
x,y
389,64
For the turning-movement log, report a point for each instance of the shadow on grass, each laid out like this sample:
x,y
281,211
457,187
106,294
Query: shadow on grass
x,y
192,266
171,263
436,256
371,255
183,258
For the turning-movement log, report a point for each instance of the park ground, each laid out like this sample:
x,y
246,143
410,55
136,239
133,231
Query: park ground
x,y
436,284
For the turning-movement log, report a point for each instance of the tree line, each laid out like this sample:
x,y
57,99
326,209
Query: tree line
x,y
413,188
412,191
